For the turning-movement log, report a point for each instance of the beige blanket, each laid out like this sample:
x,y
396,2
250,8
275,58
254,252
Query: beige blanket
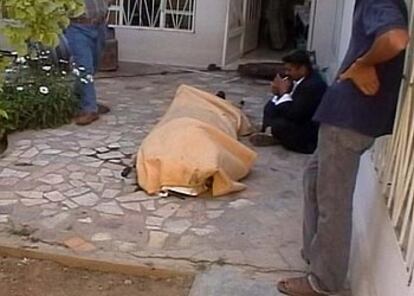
x,y
195,146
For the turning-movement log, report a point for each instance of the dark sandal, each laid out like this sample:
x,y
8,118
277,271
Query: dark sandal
x,y
298,287
263,140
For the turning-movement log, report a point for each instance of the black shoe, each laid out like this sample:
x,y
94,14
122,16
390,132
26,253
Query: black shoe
x,y
221,94
263,140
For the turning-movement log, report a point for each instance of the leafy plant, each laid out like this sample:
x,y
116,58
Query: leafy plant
x,y
3,114
37,20
23,101
37,93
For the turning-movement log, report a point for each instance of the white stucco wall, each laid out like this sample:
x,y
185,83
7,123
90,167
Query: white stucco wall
x,y
200,48
326,32
348,13
377,267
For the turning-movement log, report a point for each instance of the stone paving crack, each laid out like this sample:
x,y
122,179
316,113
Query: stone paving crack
x,y
37,240
221,262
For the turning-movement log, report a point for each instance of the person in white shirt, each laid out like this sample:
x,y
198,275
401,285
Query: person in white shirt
x,y
289,112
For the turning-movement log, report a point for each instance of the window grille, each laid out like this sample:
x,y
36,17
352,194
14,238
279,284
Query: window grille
x,y
394,159
156,14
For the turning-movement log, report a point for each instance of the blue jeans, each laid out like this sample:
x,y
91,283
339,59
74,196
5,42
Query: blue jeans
x,y
86,43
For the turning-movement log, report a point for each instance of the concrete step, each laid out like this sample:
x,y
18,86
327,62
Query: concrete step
x,y
224,281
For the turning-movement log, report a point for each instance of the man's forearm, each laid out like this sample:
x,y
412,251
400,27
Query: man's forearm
x,y
386,47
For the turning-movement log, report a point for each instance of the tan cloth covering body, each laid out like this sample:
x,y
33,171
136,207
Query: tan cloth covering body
x,y
195,144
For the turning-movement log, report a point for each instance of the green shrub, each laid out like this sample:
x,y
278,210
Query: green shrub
x,y
37,93
23,101
32,96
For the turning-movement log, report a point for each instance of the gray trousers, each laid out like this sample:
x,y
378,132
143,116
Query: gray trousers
x,y
329,184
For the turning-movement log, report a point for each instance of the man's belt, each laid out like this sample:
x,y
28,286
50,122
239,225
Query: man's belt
x,y
88,21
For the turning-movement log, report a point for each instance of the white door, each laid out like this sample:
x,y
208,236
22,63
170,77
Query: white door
x,y
329,32
234,35
252,14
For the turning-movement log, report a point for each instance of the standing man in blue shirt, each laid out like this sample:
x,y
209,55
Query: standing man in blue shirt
x,y
86,39
357,108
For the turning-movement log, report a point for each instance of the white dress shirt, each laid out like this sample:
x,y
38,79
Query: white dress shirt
x,y
288,96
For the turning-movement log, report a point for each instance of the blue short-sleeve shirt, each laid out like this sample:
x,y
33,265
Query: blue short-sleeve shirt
x,y
344,105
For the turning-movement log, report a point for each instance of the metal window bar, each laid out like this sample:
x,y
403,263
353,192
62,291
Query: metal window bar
x,y
394,159
157,14
182,9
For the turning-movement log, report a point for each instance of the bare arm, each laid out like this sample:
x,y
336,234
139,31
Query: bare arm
x,y
386,47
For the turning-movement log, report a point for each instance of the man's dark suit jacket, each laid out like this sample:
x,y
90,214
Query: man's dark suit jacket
x,y
291,122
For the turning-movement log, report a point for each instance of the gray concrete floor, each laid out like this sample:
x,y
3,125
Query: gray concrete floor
x,y
69,197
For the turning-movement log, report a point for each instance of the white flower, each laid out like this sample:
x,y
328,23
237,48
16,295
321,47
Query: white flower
x,y
84,81
81,68
64,73
76,72
19,88
90,78
63,61
44,90
46,68
21,60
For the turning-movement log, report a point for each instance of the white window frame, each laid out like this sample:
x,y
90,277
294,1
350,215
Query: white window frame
x,y
156,15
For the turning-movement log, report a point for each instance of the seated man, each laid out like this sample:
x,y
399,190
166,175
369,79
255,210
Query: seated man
x,y
289,113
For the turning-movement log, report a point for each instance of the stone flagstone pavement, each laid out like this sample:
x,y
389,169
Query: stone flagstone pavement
x,y
63,188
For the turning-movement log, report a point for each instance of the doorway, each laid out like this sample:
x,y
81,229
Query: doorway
x,y
264,30
281,26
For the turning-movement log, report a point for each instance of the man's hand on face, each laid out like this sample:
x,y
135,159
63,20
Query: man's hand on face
x,y
275,86
280,85
363,76
285,85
